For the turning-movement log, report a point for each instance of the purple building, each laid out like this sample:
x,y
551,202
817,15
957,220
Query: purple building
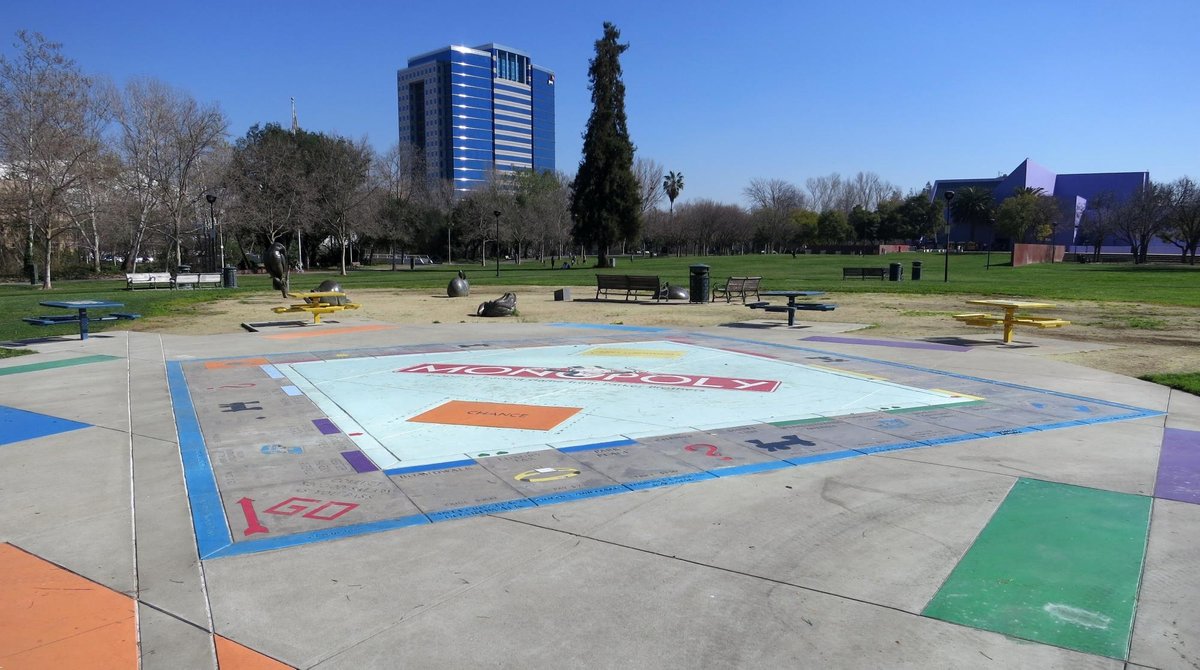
x,y
1073,191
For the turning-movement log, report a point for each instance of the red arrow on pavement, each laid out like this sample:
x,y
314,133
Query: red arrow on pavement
x,y
252,524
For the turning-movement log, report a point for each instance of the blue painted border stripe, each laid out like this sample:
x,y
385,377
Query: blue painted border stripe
x,y
208,516
821,458
951,439
555,498
598,445
477,510
897,446
430,467
750,468
1017,430
284,541
609,326
669,481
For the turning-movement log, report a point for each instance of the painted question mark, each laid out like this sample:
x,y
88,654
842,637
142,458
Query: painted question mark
x,y
711,450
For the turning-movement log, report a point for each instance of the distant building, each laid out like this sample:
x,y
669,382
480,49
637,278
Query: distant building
x,y
1073,191
470,110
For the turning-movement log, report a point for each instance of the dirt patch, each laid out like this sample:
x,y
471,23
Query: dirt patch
x,y
1144,338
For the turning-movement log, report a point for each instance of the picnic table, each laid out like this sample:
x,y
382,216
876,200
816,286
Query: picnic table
x,y
792,305
81,315
317,303
1010,319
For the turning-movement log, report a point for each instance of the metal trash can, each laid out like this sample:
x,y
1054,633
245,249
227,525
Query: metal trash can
x,y
229,277
895,271
698,284
916,271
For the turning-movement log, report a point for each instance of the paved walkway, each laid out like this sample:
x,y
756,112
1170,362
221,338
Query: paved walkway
x,y
992,507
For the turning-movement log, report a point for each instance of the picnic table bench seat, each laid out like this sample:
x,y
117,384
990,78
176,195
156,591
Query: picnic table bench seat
x,y
805,306
736,286
998,320
863,273
59,319
634,286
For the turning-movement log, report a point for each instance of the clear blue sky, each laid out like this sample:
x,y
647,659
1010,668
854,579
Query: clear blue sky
x,y
722,91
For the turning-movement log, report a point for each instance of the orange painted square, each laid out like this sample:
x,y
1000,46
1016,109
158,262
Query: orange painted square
x,y
497,415
52,618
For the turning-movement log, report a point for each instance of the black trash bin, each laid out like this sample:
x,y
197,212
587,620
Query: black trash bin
x,y
229,277
916,271
698,284
895,272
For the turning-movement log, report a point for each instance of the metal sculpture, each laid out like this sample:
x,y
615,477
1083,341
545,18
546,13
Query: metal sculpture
x,y
459,286
332,285
675,292
277,265
506,305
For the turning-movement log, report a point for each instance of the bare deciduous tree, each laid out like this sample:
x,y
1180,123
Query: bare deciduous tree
x,y
772,203
50,125
648,174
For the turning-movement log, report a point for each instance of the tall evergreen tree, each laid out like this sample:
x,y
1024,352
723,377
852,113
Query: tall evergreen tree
x,y
606,202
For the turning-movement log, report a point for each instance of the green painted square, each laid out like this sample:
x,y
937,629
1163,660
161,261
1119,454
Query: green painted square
x,y
1057,564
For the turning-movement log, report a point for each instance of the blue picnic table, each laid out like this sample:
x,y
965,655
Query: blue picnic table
x,y
792,305
81,315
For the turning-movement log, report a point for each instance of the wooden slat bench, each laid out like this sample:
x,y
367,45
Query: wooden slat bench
x,y
737,286
196,279
863,273
147,280
634,286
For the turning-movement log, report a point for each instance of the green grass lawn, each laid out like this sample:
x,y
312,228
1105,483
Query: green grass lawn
x,y
1188,382
1176,285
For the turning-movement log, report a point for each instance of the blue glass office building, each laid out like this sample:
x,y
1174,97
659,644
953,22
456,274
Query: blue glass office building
x,y
471,110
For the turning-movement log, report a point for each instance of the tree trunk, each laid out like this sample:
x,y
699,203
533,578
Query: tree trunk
x,y
46,284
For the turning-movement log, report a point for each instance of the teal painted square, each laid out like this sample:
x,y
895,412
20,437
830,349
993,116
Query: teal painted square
x,y
1057,564
17,425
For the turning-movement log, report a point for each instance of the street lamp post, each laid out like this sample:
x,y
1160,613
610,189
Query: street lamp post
x,y
497,213
948,195
212,213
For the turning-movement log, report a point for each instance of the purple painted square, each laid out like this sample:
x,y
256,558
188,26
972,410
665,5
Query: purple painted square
x,y
1179,466
359,461
326,426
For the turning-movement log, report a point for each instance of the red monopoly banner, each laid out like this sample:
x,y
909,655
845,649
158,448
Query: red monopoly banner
x,y
594,374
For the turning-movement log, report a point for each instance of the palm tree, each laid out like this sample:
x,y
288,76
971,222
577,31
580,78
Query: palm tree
x,y
672,185
973,206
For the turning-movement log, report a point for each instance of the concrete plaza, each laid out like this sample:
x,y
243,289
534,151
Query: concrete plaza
x,y
961,506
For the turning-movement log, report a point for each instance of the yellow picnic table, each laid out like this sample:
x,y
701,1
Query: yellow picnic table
x,y
1010,318
315,303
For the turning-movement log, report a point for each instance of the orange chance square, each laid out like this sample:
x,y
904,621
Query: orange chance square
x,y
497,415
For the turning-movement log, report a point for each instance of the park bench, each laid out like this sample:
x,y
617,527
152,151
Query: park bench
x,y
196,279
147,280
863,273
737,286
634,286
